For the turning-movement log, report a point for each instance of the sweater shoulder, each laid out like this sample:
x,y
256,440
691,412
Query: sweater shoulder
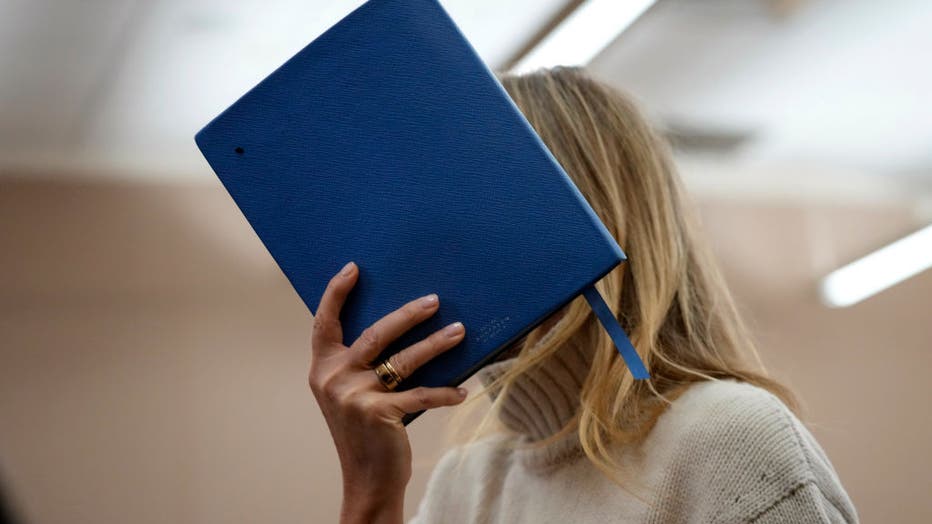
x,y
727,412
742,445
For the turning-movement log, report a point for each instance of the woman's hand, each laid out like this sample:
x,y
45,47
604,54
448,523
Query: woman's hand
x,y
363,416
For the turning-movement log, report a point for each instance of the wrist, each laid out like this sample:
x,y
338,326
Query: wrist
x,y
373,491
383,507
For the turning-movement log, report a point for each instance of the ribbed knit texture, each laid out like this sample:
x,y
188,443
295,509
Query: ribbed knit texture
x,y
723,452
541,403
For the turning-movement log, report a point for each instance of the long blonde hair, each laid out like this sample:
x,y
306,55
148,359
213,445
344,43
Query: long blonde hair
x,y
669,295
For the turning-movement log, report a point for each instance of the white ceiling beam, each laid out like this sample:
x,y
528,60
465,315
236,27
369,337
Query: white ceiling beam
x,y
583,34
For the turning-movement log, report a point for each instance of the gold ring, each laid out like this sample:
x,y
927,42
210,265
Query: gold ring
x,y
388,376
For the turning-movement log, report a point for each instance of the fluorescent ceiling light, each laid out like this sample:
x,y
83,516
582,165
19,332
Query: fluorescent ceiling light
x,y
583,34
881,269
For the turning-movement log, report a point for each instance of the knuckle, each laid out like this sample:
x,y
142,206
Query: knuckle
x,y
318,388
336,282
437,342
370,407
315,379
432,346
323,322
328,386
361,405
352,403
401,363
370,337
329,290
411,312
421,396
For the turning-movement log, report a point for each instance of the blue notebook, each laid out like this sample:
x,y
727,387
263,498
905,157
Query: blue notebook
x,y
387,141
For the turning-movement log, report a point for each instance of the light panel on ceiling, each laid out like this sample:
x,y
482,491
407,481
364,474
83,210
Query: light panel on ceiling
x,y
588,30
878,271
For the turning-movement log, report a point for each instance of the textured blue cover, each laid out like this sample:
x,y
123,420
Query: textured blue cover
x,y
387,141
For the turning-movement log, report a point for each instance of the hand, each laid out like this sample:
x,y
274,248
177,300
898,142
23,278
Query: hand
x,y
363,416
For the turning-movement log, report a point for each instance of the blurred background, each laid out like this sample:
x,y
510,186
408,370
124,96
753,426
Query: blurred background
x,y
153,357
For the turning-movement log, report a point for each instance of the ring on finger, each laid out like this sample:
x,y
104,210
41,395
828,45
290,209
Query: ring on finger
x,y
388,375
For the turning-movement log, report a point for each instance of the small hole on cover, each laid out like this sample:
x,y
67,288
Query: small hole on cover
x,y
239,150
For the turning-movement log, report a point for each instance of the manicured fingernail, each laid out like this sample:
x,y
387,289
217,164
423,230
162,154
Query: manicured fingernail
x,y
347,269
453,329
462,391
429,300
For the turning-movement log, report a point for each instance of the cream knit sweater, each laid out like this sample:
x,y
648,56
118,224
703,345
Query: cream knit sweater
x,y
723,452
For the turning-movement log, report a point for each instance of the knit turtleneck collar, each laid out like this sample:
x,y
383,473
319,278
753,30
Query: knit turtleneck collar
x,y
540,402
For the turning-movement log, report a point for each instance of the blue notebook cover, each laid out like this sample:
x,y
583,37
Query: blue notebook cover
x,y
389,142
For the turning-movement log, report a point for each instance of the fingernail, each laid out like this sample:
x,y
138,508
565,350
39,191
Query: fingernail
x,y
453,329
347,269
429,300
462,391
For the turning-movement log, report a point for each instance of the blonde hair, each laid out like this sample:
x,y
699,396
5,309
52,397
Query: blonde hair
x,y
669,295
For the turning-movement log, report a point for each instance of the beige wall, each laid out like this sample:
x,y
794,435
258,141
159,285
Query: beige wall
x,y
153,358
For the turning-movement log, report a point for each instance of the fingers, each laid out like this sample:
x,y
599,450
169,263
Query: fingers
x,y
412,357
421,398
327,328
377,336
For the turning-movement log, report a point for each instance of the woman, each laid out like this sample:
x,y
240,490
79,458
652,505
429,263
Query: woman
x,y
708,439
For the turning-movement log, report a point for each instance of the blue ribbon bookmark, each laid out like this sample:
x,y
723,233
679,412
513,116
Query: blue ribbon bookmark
x,y
611,325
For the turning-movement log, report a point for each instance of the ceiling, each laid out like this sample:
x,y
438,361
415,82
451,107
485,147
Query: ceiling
x,y
122,86
828,95
767,96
